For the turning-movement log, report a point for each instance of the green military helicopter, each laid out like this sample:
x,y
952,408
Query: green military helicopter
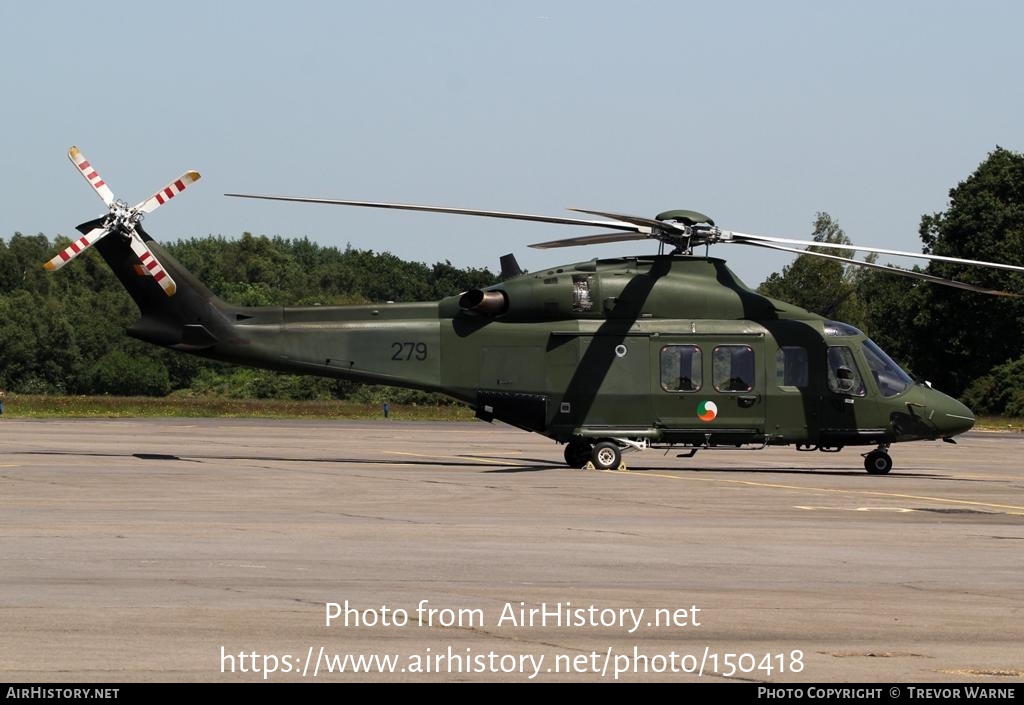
x,y
668,351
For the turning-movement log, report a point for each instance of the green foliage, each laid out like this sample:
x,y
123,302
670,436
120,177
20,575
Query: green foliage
x,y
178,406
38,348
262,271
892,305
20,261
248,383
379,395
956,336
1000,392
64,333
120,374
821,285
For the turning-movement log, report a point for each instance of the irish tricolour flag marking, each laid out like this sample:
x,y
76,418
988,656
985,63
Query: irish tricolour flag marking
x,y
707,411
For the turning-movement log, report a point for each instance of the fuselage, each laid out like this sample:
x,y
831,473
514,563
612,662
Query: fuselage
x,y
668,349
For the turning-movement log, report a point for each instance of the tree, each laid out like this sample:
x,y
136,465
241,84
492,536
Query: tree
x,y
38,353
999,392
65,333
892,305
821,285
120,374
959,336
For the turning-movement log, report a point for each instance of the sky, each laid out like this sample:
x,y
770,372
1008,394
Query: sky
x,y
758,114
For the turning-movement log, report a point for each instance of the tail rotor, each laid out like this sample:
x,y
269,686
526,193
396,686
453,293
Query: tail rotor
x,y
123,220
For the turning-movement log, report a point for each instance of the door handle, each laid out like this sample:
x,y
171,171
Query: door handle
x,y
747,400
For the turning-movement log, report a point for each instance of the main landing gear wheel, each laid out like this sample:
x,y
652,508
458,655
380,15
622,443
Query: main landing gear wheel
x,y
577,453
878,462
606,456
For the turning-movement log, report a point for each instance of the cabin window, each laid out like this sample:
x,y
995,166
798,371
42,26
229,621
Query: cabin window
x,y
891,380
681,368
843,377
791,367
733,368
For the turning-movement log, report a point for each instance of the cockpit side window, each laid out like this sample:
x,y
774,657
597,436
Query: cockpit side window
x,y
843,376
889,377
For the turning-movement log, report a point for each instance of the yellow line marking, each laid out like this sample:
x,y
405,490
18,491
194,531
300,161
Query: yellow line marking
x,y
900,510
450,457
1012,509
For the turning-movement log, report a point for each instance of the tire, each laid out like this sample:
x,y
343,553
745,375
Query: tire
x,y
606,456
577,453
878,462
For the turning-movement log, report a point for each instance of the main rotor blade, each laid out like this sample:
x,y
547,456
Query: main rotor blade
x,y
599,239
76,248
887,268
152,265
168,192
879,250
635,219
94,179
617,225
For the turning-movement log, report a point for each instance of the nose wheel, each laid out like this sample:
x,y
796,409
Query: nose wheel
x,y
878,462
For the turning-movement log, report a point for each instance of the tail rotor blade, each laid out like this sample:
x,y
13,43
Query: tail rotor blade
x,y
75,248
90,174
122,220
168,192
151,265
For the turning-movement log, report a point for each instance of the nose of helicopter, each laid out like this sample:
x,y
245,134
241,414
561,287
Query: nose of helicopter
x,y
950,416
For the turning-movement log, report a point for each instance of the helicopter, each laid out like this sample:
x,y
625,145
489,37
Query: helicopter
x,y
660,351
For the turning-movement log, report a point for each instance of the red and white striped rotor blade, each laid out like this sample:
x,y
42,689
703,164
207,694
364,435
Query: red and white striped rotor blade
x,y
89,172
75,248
168,192
152,266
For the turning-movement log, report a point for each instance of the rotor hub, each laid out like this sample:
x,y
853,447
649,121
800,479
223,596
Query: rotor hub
x,y
122,218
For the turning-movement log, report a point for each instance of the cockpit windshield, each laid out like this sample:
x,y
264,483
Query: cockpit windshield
x,y
889,377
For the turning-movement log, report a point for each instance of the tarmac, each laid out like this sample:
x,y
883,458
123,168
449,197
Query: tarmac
x,y
229,550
